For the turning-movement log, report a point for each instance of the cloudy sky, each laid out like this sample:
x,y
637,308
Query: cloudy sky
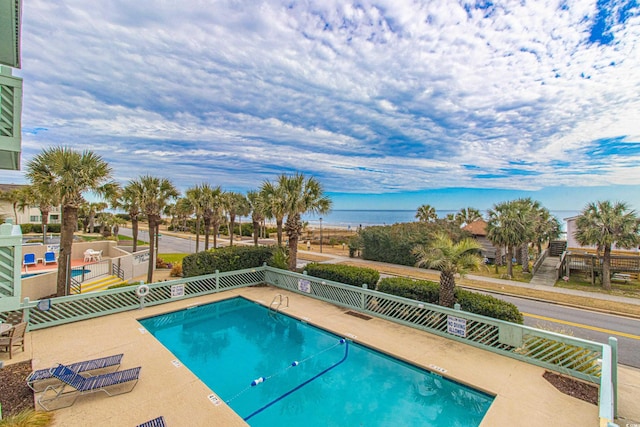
x,y
390,104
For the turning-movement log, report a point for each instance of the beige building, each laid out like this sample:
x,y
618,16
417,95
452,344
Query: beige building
x,y
29,215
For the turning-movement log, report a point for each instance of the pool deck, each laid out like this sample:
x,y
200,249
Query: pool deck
x,y
523,397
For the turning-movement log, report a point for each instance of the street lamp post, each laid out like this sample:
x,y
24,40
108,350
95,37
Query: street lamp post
x,y
320,235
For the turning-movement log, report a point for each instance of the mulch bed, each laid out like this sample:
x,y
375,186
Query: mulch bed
x,y
15,396
575,388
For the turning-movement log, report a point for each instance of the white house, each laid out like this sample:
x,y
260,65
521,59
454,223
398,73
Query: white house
x,y
30,215
572,243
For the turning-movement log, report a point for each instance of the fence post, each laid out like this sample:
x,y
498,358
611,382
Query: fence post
x,y
363,297
613,343
217,279
26,311
456,306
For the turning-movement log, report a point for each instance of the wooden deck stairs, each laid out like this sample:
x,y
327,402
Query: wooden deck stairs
x,y
101,284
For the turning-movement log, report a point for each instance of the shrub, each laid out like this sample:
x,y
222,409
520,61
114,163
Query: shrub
x,y
26,228
28,418
123,285
280,258
426,291
355,276
226,259
176,270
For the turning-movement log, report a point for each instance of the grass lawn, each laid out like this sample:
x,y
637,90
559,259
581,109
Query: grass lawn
x,y
583,283
172,258
501,273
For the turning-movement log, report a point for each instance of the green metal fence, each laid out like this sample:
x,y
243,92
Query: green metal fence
x,y
579,358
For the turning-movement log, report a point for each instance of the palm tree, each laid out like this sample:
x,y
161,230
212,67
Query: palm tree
x,y
467,216
95,208
211,203
426,213
183,210
195,197
14,197
156,194
258,207
130,200
236,204
605,224
546,227
275,208
451,259
67,174
45,202
301,196
528,211
506,228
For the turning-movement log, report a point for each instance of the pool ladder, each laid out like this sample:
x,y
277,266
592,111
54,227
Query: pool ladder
x,y
277,301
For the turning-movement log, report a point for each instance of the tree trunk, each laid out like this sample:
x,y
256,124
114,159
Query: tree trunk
x,y
279,229
232,223
207,231
509,261
91,223
197,234
447,296
524,254
69,219
152,259
15,213
216,231
293,228
134,231
606,268
156,234
256,232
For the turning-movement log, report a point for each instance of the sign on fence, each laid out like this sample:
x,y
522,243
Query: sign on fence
x,y
304,286
177,291
457,326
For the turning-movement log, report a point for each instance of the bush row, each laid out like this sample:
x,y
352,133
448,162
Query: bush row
x,y
346,274
426,291
37,228
226,259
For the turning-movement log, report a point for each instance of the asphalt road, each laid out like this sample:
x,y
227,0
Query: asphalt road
x,y
590,325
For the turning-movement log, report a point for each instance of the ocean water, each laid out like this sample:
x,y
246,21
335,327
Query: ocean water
x,y
354,218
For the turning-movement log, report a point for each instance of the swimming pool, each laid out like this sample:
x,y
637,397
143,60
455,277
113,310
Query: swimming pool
x,y
303,375
74,273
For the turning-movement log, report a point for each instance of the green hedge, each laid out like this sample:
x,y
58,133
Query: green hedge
x,y
422,290
226,259
346,274
394,243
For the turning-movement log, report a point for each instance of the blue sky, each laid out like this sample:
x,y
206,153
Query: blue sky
x,y
390,104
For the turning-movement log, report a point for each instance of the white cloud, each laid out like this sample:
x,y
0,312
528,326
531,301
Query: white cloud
x,y
369,96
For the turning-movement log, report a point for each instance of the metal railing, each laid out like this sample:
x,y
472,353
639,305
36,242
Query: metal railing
x,y
579,358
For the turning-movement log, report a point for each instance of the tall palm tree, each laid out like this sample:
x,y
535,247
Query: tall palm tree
x,y
528,211
258,207
426,213
14,196
506,229
236,204
156,194
450,258
275,208
195,197
183,210
131,200
604,224
302,195
467,216
68,174
211,202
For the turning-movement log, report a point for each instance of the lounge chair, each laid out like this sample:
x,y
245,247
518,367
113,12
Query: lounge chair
x,y
156,422
84,385
49,258
15,338
29,259
37,380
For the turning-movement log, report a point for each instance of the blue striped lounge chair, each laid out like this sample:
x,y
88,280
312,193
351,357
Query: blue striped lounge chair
x,y
156,422
38,380
80,385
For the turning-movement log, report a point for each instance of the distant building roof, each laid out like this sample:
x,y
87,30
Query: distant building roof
x,y
477,228
9,187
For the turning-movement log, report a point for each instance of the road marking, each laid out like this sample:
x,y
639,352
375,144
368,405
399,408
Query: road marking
x,y
580,325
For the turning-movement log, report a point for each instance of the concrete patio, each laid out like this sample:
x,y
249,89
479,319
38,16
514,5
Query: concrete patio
x,y
523,397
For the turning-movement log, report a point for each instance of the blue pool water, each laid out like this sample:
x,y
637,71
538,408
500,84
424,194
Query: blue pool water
x,y
311,377
74,273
